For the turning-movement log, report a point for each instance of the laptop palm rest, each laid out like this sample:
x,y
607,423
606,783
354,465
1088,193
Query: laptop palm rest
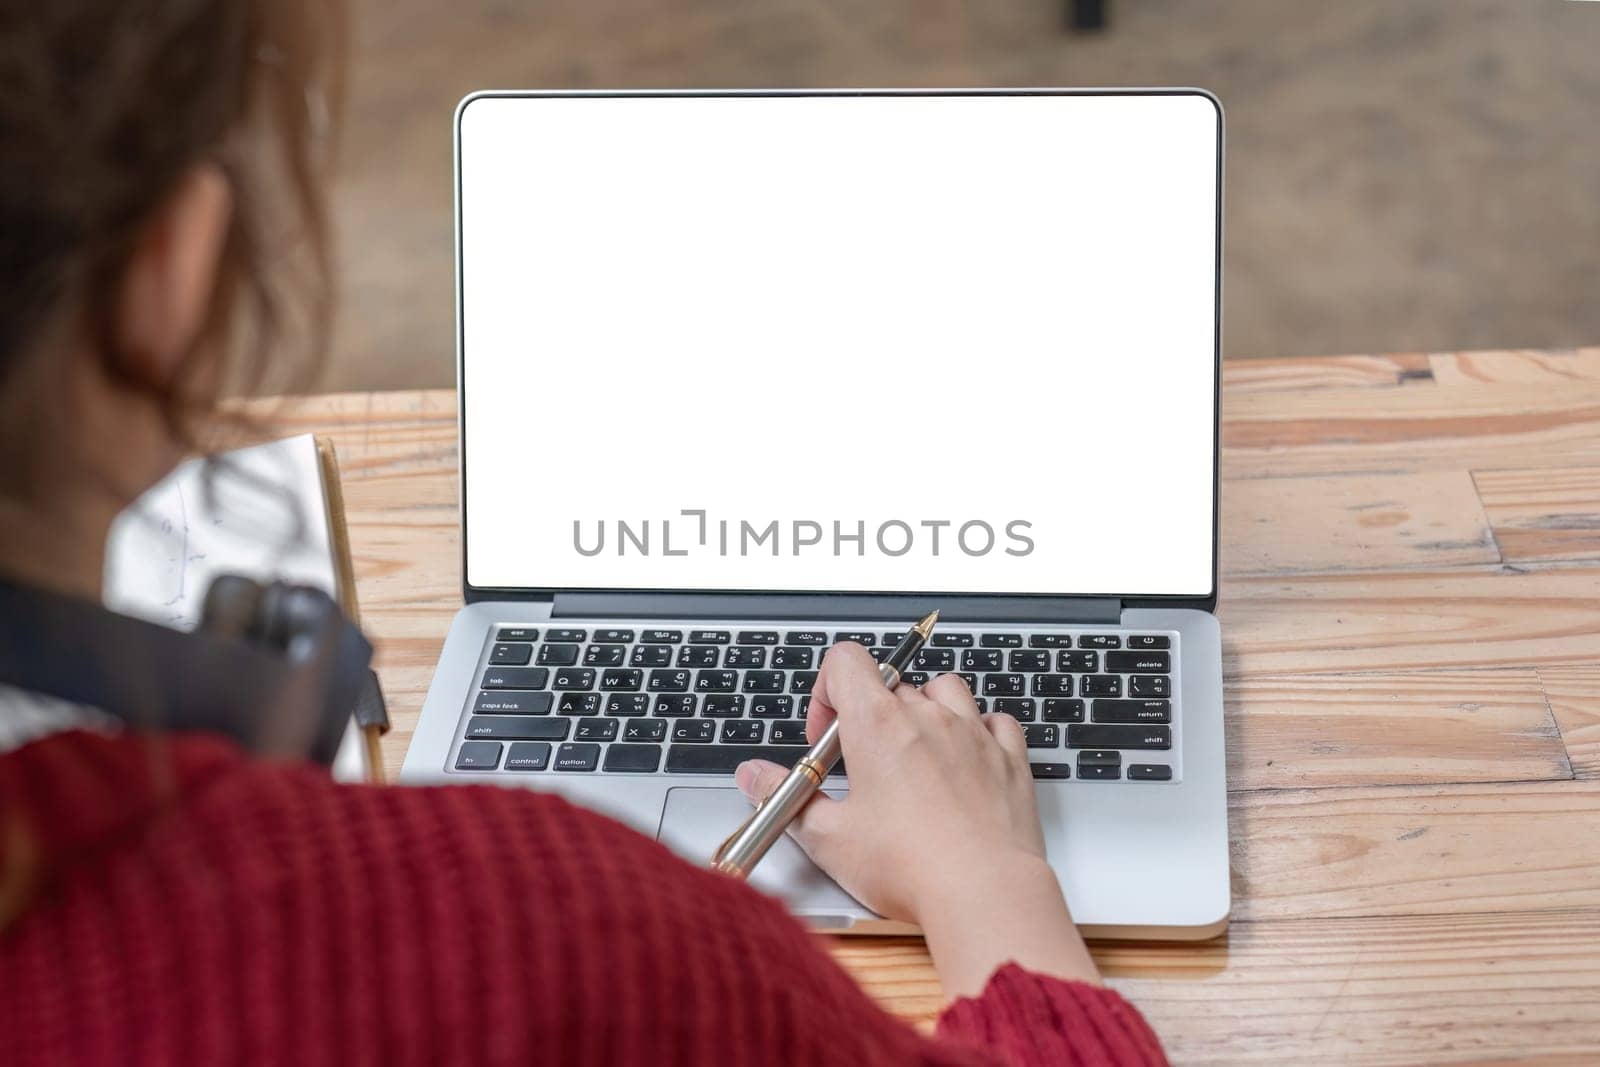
x,y
696,820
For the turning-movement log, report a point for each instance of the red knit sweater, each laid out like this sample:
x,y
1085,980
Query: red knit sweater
x,y
200,907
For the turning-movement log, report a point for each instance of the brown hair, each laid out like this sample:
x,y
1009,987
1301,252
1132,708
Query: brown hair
x,y
105,108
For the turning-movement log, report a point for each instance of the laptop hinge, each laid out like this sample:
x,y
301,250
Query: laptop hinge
x,y
822,607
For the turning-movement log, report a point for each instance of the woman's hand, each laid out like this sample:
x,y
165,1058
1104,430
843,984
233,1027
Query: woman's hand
x,y
940,826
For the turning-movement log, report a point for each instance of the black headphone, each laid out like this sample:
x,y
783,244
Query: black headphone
x,y
276,667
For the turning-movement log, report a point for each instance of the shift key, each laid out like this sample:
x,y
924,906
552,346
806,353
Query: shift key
x,y
1095,735
516,728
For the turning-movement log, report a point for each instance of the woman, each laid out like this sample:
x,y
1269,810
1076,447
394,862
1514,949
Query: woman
x,y
167,898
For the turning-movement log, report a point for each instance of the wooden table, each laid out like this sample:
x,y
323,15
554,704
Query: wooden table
x,y
1411,613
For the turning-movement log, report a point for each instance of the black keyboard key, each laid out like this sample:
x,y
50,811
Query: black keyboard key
x,y
758,637
983,704
1098,736
1133,711
789,732
573,678
1099,641
916,677
742,732
804,706
1050,771
1100,685
723,759
567,635
1149,772
633,759
763,681
723,706
578,704
478,756
1031,660
698,655
1099,764
1023,709
1079,662
1052,685
614,637
668,682
514,703
645,730
577,757
1150,685
1001,640
558,655
880,654
745,657
1149,641
969,678
627,705
891,640
515,728
805,637
662,637
771,707
1050,641
1004,685
983,659
604,656
676,707
935,659
524,633
516,678
1063,711
596,730
650,656
715,681
1138,662
793,659
510,655
944,640
694,732
860,637
625,680
528,756
1042,734
709,637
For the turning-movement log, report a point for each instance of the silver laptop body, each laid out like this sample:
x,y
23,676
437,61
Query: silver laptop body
x,y
743,374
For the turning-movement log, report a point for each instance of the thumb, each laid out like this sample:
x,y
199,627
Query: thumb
x,y
815,829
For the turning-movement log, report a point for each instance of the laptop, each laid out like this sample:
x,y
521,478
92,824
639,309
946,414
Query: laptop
x,y
747,374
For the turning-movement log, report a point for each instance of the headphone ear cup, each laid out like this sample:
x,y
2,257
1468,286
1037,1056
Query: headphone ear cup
x,y
230,607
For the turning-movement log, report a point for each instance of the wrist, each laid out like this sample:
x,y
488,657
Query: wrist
x,y
1016,875
1005,910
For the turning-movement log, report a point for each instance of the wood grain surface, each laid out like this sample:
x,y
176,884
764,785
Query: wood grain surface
x,y
1411,620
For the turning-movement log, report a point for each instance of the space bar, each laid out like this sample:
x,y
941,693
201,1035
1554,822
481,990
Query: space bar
x,y
722,759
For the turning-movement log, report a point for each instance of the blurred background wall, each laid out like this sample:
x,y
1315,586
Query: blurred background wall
x,y
1402,174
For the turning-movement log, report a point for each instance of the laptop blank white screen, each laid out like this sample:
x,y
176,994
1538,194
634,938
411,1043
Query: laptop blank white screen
x,y
958,344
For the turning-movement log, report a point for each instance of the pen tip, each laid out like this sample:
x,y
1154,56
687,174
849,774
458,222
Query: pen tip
x,y
925,627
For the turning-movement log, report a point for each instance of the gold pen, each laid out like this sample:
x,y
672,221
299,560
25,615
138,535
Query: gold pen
x,y
743,849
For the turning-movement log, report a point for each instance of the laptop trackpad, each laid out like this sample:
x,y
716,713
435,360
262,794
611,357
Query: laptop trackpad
x,y
697,820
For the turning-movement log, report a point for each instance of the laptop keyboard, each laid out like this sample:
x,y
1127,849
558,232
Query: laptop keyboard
x,y
1094,704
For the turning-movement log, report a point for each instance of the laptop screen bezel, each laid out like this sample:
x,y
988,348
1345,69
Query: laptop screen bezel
x,y
473,594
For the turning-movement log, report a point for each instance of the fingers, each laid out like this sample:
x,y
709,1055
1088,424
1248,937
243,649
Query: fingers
x,y
1008,733
849,681
818,820
951,691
